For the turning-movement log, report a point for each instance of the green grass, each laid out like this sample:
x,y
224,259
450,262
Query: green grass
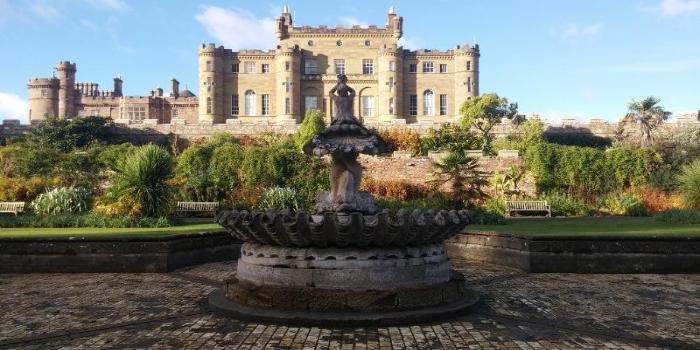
x,y
591,226
93,232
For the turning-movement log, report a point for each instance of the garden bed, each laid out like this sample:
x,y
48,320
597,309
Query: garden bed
x,y
584,245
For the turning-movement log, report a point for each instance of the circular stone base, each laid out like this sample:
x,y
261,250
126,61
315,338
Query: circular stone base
x,y
313,307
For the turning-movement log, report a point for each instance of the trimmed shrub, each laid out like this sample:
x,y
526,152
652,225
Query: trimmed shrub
x,y
678,216
313,123
62,200
400,139
279,198
450,137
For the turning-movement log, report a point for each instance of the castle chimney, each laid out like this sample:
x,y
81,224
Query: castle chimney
x,y
174,88
118,86
159,92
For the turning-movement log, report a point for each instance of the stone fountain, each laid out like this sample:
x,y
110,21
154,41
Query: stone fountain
x,y
347,263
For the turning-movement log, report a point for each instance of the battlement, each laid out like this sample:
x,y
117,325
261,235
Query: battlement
x,y
340,30
66,65
212,49
43,82
254,52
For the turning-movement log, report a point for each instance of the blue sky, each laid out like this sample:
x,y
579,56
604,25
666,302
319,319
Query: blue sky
x,y
579,59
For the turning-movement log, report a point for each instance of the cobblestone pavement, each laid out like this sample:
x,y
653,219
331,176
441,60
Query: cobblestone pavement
x,y
519,311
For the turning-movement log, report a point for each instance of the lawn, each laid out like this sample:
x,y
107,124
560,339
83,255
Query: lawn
x,y
591,226
93,232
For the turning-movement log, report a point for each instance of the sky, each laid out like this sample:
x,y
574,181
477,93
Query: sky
x,y
560,59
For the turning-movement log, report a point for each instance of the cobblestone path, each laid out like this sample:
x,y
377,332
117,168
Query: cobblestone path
x,y
519,311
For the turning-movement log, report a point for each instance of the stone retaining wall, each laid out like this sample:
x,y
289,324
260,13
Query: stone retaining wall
x,y
143,254
561,254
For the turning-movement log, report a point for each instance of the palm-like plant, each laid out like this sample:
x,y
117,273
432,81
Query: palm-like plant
x,y
689,180
463,174
143,177
647,115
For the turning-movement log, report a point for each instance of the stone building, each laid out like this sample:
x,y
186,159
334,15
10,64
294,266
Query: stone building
x,y
390,81
62,97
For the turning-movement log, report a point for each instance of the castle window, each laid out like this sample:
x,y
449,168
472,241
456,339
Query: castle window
x,y
266,68
339,66
413,68
249,67
210,106
428,103
310,66
367,106
287,66
413,104
469,84
392,66
367,66
443,104
391,105
287,106
469,65
135,113
44,93
234,105
339,43
234,68
368,43
391,84
209,66
174,113
443,68
265,104
311,43
287,85
310,102
428,67
250,102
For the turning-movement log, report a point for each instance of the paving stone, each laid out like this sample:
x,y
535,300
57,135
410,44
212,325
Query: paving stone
x,y
519,311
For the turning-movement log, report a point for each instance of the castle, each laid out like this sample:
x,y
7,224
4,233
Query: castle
x,y
278,86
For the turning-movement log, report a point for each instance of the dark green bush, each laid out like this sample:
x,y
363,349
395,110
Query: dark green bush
x,y
678,216
563,205
578,139
450,137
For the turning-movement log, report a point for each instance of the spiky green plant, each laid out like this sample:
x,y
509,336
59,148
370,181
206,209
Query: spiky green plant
x,y
279,198
689,180
143,176
463,175
62,200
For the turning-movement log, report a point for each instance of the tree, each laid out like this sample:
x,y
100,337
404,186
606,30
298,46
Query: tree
x,y
143,177
485,111
647,115
463,174
313,124
689,180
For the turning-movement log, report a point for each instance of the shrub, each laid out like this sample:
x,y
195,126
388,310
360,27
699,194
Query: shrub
x,y
434,200
21,189
656,200
624,204
279,198
563,205
143,177
397,189
485,217
82,220
578,139
62,200
401,139
678,216
689,180
494,206
449,137
313,123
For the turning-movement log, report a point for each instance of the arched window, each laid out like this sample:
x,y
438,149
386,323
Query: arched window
x,y
250,102
428,103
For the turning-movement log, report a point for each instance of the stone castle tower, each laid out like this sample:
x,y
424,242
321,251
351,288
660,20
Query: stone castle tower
x,y
281,84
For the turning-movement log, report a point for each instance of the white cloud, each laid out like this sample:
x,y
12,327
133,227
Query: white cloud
x,y
671,66
672,8
238,29
13,107
112,5
412,43
352,21
45,11
574,31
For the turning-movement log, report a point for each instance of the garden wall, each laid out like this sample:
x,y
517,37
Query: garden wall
x,y
562,254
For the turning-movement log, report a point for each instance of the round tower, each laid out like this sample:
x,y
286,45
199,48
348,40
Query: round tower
x,y
288,75
390,87
66,91
43,98
466,75
211,83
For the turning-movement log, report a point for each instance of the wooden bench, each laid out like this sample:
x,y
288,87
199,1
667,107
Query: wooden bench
x,y
11,207
196,207
530,206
